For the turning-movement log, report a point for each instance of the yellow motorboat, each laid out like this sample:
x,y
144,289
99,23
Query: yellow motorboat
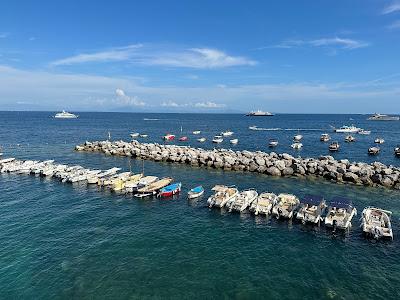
x,y
120,183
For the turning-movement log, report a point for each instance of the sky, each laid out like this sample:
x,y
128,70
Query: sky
x,y
201,56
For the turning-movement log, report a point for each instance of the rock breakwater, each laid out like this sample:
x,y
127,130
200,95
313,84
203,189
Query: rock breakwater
x,y
273,164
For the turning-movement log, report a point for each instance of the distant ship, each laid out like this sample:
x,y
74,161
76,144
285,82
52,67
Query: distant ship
x,y
259,113
65,115
382,117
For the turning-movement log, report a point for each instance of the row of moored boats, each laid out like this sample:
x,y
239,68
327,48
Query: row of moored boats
x,y
337,213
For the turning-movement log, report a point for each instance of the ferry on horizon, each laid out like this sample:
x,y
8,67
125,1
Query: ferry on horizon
x,y
259,113
65,115
382,117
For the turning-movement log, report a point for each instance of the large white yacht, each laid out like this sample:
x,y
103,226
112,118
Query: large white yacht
x,y
347,129
382,117
259,113
65,115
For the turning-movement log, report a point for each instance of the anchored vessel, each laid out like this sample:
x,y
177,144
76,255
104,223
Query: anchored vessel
x,y
217,139
340,213
286,206
297,146
259,113
347,129
382,117
334,146
379,141
397,151
375,222
170,190
222,194
312,208
364,132
227,133
263,204
196,192
297,138
65,115
374,150
242,201
325,137
273,143
234,141
349,138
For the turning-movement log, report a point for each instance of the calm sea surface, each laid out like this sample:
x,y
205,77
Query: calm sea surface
x,y
62,241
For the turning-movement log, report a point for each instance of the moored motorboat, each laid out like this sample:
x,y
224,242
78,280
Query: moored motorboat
x,y
134,134
183,138
259,113
155,187
196,192
397,151
234,141
227,133
263,204
133,186
143,135
334,146
170,190
364,132
340,213
383,117
285,206
379,141
297,138
201,140
311,210
242,201
273,143
376,222
217,139
374,150
65,115
348,129
222,194
196,132
349,138
324,137
169,137
296,146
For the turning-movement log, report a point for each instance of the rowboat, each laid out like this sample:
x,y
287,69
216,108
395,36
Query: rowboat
x,y
169,137
170,190
183,139
196,192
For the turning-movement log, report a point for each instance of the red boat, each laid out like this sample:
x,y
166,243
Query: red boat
x,y
169,137
170,190
183,139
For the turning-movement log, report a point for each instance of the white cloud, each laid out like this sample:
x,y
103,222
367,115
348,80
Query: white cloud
x,y
125,100
197,58
208,104
334,42
394,25
115,54
170,104
391,8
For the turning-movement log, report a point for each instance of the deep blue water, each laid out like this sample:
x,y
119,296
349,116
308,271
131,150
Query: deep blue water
x,y
70,241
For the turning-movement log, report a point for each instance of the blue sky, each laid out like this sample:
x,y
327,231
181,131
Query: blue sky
x,y
201,56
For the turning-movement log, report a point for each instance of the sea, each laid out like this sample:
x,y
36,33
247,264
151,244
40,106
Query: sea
x,y
64,241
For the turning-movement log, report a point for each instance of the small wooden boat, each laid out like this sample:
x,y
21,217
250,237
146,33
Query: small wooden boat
x,y
324,137
376,222
296,146
234,141
397,151
143,182
183,139
170,190
242,201
379,141
297,138
201,140
217,139
263,204
227,133
286,206
196,132
374,150
154,187
349,138
169,137
196,192
222,194
312,208
334,146
273,143
340,213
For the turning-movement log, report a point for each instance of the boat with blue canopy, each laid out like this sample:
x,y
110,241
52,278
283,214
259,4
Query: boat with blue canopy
x,y
340,213
312,208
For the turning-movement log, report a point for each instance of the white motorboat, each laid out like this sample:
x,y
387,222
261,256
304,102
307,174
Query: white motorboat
x,y
340,213
218,139
286,206
263,204
273,143
234,141
253,127
374,150
227,133
296,146
259,113
349,138
379,141
376,222
382,117
311,210
222,194
65,115
201,140
242,201
397,151
348,129
134,134
334,147
324,137
297,138
364,132
196,132
143,135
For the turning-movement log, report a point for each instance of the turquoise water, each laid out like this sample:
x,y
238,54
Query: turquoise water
x,y
70,241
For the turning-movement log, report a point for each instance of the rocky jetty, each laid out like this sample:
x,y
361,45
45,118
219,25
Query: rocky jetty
x,y
339,171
